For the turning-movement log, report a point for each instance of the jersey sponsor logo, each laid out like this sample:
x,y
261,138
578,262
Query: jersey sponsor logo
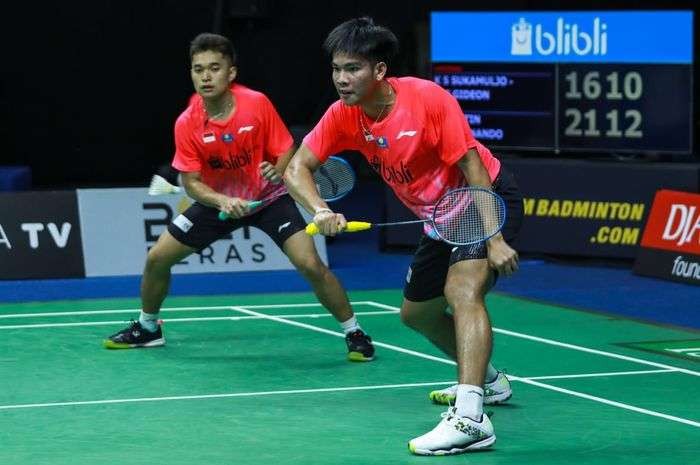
x,y
408,275
282,226
230,161
208,137
183,223
392,174
406,134
245,129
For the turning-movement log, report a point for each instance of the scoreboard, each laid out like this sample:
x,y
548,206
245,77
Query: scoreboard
x,y
618,81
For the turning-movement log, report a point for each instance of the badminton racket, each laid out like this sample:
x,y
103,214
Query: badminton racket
x,y
463,216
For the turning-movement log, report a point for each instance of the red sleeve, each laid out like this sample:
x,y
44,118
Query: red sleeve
x,y
278,140
330,135
452,129
186,157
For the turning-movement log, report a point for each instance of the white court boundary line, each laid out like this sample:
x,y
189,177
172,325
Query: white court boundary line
x,y
573,347
185,320
514,378
169,309
223,396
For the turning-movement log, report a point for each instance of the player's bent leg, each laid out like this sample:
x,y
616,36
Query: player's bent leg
x,y
302,253
430,318
154,287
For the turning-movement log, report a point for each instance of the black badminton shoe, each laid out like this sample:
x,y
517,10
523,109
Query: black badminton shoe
x,y
360,348
134,336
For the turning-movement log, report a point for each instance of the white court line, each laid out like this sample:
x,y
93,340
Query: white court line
x,y
576,347
222,396
514,378
281,319
168,309
598,375
181,320
611,402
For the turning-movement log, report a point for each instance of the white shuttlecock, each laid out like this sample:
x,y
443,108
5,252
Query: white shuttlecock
x,y
160,186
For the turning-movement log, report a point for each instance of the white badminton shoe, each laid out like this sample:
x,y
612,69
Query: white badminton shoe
x,y
454,435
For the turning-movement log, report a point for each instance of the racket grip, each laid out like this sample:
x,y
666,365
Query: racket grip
x,y
251,205
311,229
353,226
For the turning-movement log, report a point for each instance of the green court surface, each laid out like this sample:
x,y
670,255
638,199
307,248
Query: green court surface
x,y
263,379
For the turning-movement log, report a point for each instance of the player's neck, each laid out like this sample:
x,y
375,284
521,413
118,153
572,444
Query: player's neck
x,y
221,107
380,102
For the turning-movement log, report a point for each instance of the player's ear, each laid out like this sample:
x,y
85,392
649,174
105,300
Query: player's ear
x,y
380,70
232,73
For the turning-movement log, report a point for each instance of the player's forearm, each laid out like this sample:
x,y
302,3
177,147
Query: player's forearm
x,y
283,161
477,176
473,169
202,193
301,186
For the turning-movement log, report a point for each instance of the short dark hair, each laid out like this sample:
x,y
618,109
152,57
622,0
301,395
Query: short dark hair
x,y
212,42
361,37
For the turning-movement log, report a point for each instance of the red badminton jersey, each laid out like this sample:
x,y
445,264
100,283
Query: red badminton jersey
x,y
228,153
415,148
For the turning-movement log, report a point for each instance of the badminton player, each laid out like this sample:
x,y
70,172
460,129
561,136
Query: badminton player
x,y
414,134
232,147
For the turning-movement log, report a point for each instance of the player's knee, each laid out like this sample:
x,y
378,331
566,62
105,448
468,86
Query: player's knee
x,y
310,267
412,318
462,294
156,260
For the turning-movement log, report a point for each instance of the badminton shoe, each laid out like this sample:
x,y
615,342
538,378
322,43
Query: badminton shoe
x,y
495,392
360,348
134,336
454,435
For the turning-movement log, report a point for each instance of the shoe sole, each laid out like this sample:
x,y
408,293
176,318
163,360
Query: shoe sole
x,y
358,357
446,399
487,442
108,344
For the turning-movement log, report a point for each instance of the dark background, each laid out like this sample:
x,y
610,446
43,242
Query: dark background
x,y
90,90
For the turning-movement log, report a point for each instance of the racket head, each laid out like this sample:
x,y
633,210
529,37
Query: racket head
x,y
334,179
468,215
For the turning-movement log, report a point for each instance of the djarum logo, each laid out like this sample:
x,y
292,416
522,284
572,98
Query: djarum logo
x,y
682,224
568,39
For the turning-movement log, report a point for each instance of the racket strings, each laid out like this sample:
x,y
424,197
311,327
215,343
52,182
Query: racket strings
x,y
334,179
468,216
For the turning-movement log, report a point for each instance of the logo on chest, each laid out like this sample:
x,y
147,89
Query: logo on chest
x,y
392,174
229,161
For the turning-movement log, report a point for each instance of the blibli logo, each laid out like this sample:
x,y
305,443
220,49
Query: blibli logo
x,y
568,39
521,38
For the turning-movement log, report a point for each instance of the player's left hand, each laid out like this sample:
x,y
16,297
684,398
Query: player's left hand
x,y
502,257
269,172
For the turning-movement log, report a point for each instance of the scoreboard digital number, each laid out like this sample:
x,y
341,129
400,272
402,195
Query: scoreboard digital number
x,y
562,87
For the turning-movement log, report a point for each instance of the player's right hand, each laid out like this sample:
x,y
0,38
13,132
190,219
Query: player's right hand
x,y
234,207
330,223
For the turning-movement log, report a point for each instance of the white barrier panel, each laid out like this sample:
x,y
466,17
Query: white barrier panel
x,y
118,227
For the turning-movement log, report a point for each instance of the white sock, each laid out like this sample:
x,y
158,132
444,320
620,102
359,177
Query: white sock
x,y
469,401
350,325
149,321
491,374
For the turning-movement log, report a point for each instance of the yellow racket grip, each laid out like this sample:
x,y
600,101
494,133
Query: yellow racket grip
x,y
353,226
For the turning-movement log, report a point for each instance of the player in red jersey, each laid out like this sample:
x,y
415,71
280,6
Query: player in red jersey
x,y
232,147
415,135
